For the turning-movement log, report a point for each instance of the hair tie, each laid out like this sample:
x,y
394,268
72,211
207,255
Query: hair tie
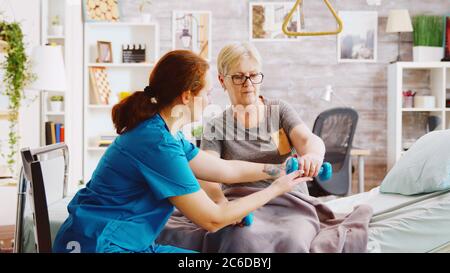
x,y
148,90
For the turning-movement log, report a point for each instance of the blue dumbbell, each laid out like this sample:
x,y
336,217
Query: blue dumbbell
x,y
325,172
248,220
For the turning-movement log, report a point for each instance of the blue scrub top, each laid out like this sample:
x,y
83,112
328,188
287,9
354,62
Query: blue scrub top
x,y
125,205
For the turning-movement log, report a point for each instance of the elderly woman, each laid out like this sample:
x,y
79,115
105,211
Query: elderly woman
x,y
256,128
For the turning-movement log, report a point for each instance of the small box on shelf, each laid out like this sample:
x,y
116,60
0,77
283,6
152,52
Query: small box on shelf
x,y
134,54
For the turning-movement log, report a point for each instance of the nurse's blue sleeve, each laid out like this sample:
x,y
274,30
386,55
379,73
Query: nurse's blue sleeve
x,y
189,149
166,169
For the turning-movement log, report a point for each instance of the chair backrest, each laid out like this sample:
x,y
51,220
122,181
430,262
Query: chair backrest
x,y
336,127
45,167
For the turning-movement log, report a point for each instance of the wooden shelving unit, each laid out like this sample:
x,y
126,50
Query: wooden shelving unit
x,y
128,77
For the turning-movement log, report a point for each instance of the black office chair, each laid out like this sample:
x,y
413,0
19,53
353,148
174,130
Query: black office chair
x,y
32,174
336,127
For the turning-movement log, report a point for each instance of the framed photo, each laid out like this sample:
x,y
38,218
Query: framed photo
x,y
358,40
101,10
266,21
191,30
104,51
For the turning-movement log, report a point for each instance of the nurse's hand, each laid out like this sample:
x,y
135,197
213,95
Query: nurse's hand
x,y
288,182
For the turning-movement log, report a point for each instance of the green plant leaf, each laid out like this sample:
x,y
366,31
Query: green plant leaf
x,y
17,75
428,30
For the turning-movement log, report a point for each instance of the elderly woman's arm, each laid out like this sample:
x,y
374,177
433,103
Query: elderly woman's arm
x,y
310,147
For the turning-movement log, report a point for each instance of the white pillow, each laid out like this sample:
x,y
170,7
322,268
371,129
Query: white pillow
x,y
425,167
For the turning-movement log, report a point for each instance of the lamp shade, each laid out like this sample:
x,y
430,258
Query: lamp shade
x,y
48,67
399,21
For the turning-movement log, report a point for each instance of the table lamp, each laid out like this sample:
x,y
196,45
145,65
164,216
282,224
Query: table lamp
x,y
328,93
48,67
399,21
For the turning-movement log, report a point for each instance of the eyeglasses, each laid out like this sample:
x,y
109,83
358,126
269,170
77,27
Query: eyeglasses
x,y
241,79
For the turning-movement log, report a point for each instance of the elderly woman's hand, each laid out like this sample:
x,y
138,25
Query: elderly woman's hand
x,y
310,164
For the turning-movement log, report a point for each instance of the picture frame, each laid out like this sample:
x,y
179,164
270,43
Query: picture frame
x,y
100,91
101,10
358,41
266,21
104,52
191,30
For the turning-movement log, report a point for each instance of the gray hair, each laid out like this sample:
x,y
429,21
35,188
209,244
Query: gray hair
x,y
231,54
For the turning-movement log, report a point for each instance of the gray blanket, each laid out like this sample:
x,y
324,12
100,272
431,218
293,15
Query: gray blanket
x,y
291,223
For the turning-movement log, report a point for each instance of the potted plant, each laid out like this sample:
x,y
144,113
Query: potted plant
x,y
146,17
197,134
16,76
56,28
56,103
428,38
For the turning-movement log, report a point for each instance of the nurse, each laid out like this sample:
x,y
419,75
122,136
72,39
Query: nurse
x,y
151,168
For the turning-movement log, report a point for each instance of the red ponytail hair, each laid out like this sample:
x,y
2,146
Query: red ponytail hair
x,y
175,72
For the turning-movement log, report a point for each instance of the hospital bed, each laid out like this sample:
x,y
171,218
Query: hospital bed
x,y
400,223
419,223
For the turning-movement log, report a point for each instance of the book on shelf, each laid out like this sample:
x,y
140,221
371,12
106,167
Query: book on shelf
x,y
104,143
106,140
58,132
62,133
54,132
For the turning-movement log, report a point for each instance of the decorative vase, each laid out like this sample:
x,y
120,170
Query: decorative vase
x,y
56,106
408,101
428,53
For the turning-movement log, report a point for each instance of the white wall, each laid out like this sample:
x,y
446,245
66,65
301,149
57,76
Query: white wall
x,y
29,17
